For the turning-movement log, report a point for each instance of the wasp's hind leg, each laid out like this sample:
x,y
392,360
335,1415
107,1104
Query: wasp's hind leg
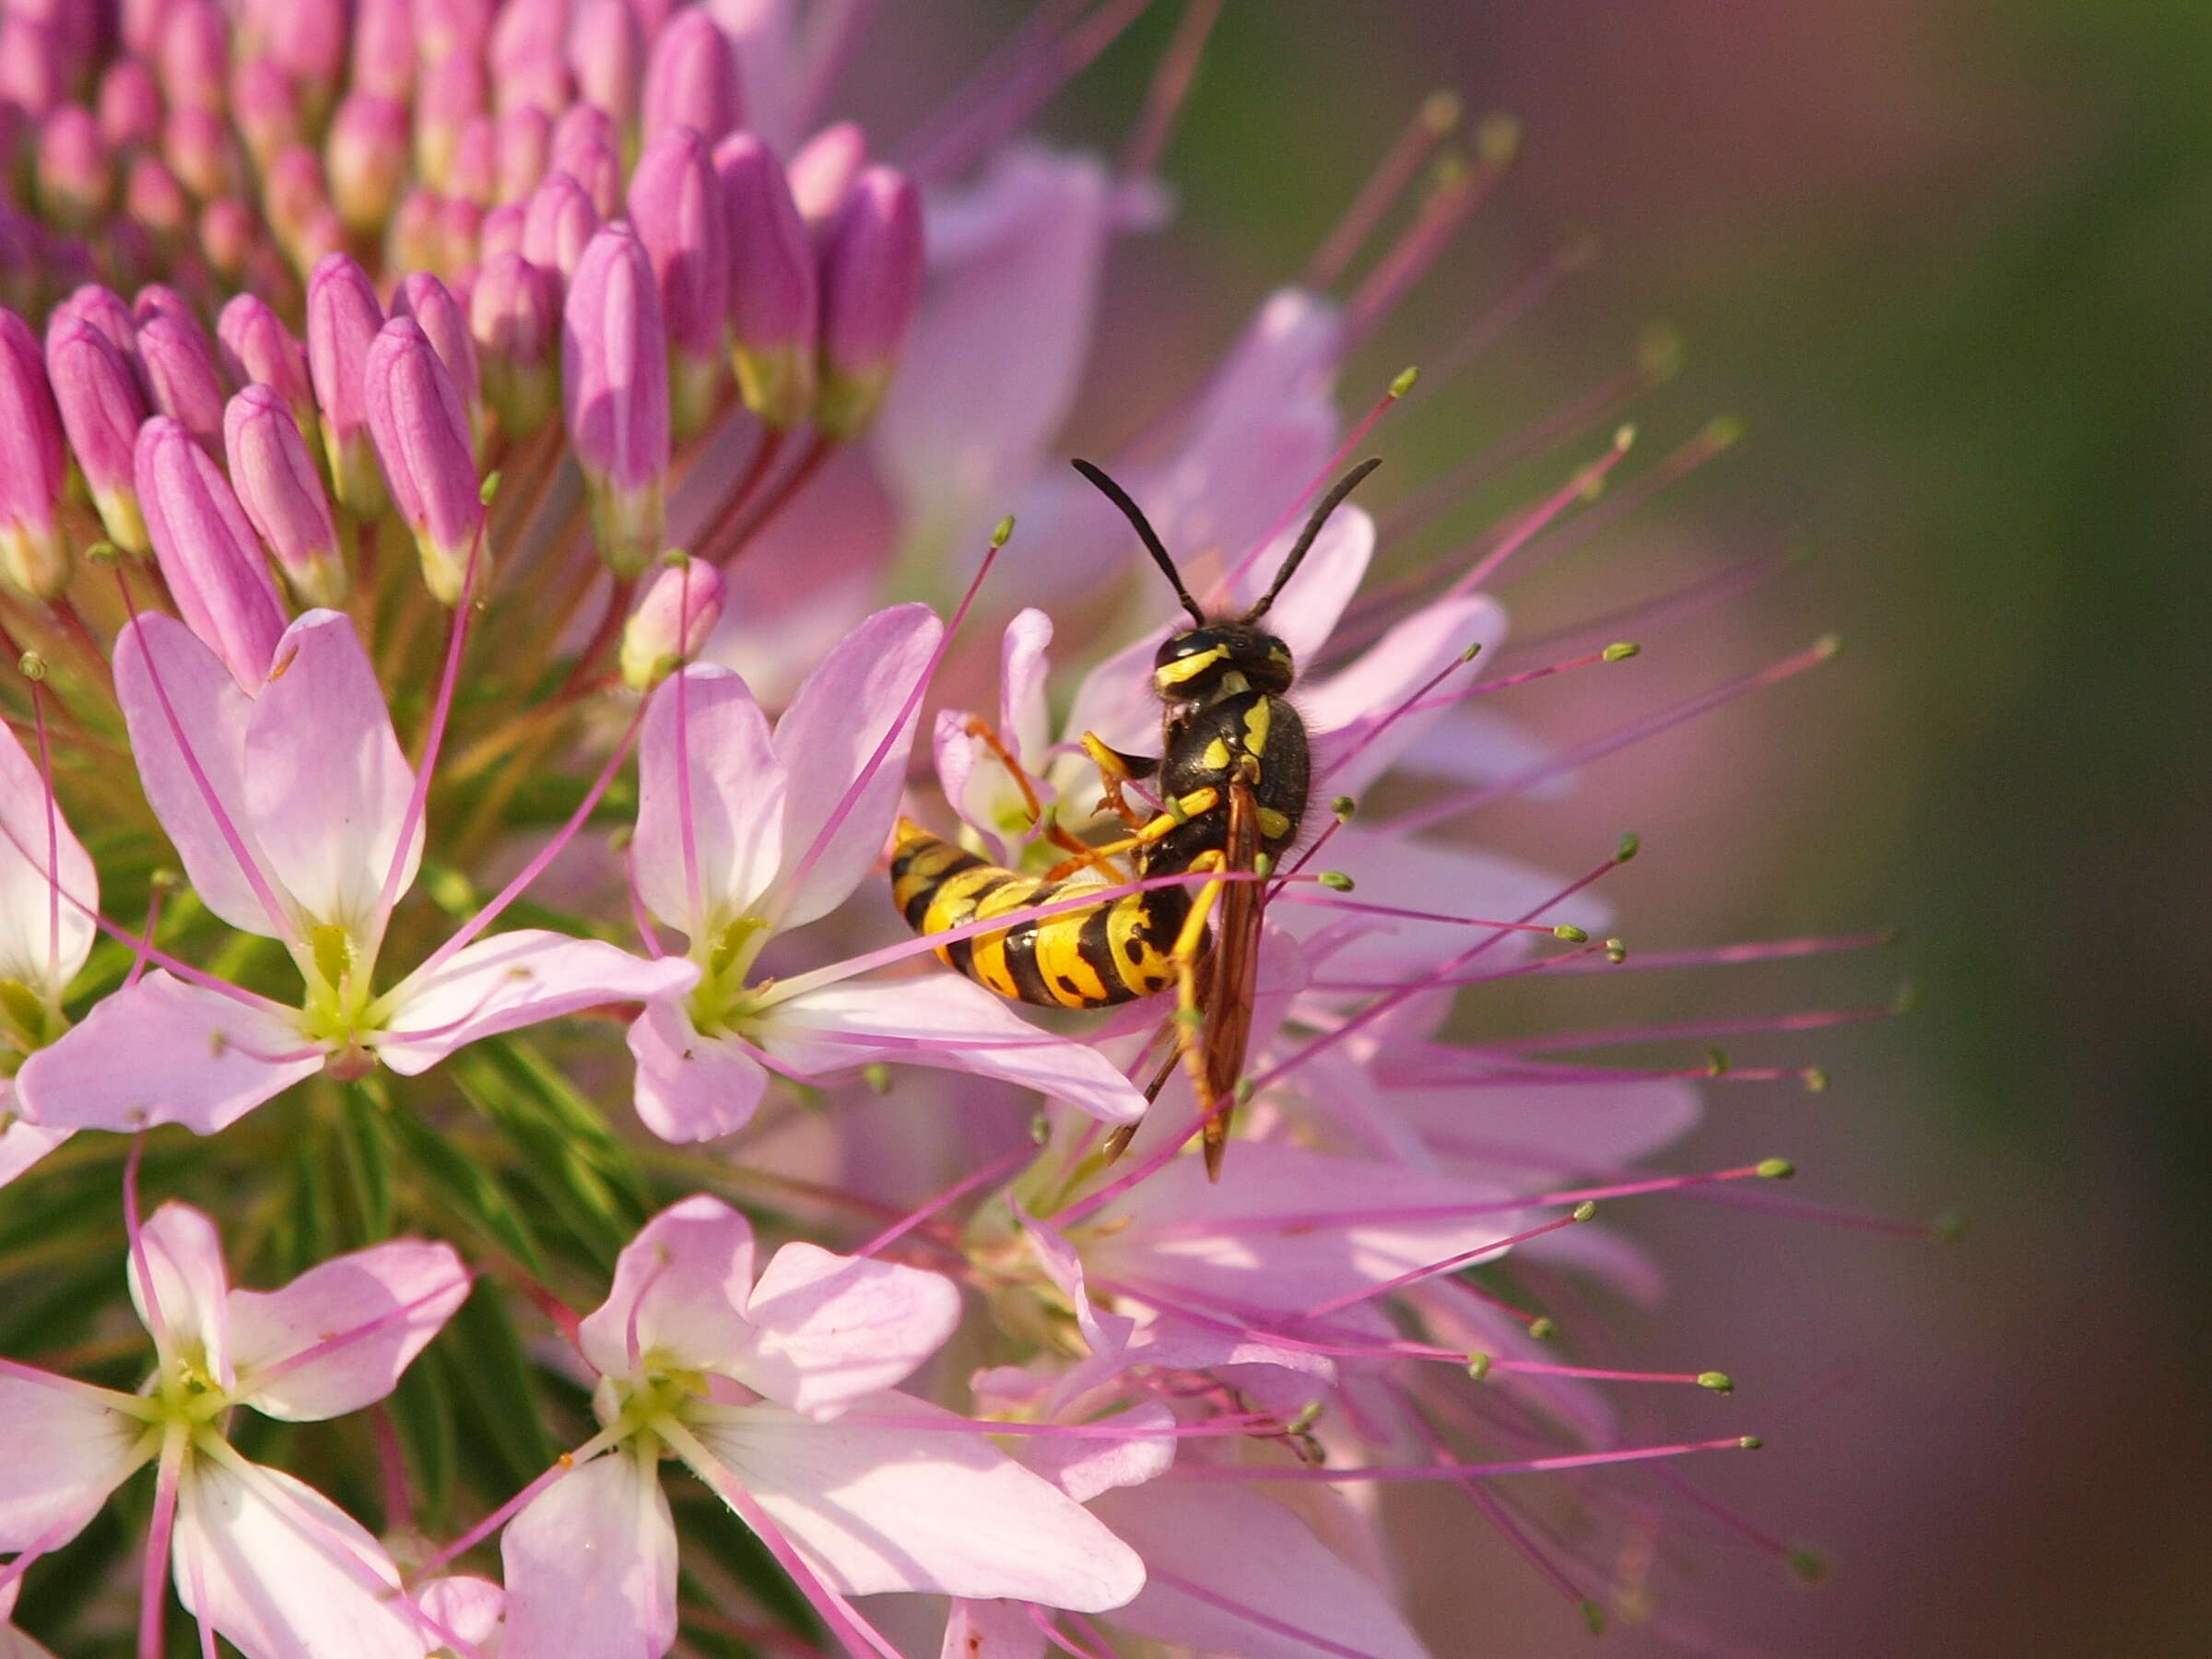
x,y
1186,958
1174,815
1047,823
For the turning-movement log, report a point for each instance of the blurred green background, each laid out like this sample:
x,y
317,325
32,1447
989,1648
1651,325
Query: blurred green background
x,y
1950,261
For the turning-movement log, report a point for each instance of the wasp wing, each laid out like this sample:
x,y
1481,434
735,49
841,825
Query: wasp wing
x,y
1231,971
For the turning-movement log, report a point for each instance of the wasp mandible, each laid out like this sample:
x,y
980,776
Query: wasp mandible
x,y
1234,773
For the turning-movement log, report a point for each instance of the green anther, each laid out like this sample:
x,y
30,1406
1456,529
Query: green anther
x,y
1808,1566
1724,431
490,487
32,667
1471,652
102,553
451,890
1827,645
1774,1168
1616,952
1344,807
620,835
1750,1442
1950,1227
1497,138
1716,1063
1440,110
878,1077
1263,864
1405,381
676,559
1308,1414
1905,998
1479,1366
1816,1079
1041,1129
1594,1617
1660,351
1621,650
1630,844
1544,1327
1584,1210
1719,1382
1624,435
1243,1091
163,879
1003,534
1336,881
1571,933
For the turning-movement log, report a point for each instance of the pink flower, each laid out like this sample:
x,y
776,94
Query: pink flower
x,y
44,938
779,1395
298,819
258,1556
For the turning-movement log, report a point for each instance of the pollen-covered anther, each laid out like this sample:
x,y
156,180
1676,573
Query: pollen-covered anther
x,y
1774,1168
1621,650
1336,881
1717,1381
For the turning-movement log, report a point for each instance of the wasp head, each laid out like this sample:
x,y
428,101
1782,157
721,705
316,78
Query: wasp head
x,y
1198,664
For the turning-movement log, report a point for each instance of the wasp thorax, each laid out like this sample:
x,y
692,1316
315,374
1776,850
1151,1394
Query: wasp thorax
x,y
1193,666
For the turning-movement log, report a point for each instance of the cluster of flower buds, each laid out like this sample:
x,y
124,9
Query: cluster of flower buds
x,y
458,459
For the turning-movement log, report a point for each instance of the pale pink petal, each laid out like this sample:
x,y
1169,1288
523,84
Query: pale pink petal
x,y
940,1020
43,938
1115,700
1314,599
880,1509
338,1338
1108,1334
513,980
591,1567
1585,1127
1234,1572
1478,745
326,785
678,1294
282,1573
996,353
22,1144
1086,1467
181,1289
828,1328
67,1449
828,738
162,669
1024,716
14,1644
163,1051
1358,732
691,1088
975,780
470,1608
991,1629
720,747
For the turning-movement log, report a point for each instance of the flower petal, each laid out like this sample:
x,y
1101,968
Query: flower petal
x,y
463,1606
21,1144
181,1289
718,759
691,1088
162,669
43,936
591,1567
326,787
280,1571
991,1630
679,1293
828,738
1234,1572
1356,737
828,1329
67,1449
879,1509
513,980
163,1051
338,1338
941,1020
1314,599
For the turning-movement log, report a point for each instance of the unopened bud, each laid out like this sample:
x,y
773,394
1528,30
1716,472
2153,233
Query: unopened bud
x,y
258,350
192,54
615,394
34,464
558,224
514,313
676,204
871,287
103,406
824,167
680,610
365,159
154,199
691,78
179,362
129,105
427,300
451,93
343,317
209,556
607,55
76,174
282,494
587,147
773,293
383,47
522,143
422,437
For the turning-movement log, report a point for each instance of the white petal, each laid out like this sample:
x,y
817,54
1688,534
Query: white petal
x,y
991,1629
43,936
181,1289
705,744
679,1293
591,1567
363,1317
691,1088
828,1328
67,1449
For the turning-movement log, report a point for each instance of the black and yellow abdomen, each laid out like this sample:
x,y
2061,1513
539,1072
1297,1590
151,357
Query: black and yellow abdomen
x,y
1111,952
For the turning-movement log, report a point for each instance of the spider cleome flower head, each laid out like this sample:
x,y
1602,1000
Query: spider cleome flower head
x,y
489,487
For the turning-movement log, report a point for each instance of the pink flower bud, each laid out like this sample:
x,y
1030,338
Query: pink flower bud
x,y
423,440
501,232
34,462
615,392
32,73
524,144
306,39
75,177
366,156
256,349
773,297
228,234
514,310
101,406
675,201
538,83
586,147
180,374
384,48
23,250
558,224
204,545
452,91
871,287
343,317
460,232
824,168
446,29
527,30
152,197
196,141
474,174
691,79
194,55
104,310
433,305
292,197
282,494
607,55
130,104
415,237
672,622
266,108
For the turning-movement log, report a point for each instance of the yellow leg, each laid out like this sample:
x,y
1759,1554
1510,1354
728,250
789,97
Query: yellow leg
x,y
1086,856
1178,812
1112,774
1190,1019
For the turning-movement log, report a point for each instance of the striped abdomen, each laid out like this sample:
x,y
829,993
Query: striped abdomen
x,y
1111,952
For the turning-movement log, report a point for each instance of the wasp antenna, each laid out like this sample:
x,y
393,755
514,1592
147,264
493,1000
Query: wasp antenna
x,y
1329,504
1144,533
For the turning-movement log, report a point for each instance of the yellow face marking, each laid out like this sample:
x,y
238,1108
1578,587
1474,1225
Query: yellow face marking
x,y
1215,758
1169,675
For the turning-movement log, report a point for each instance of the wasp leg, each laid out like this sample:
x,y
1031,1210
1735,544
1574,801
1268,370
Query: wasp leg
x,y
1190,1019
1176,814
1118,1142
1067,840
1113,771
